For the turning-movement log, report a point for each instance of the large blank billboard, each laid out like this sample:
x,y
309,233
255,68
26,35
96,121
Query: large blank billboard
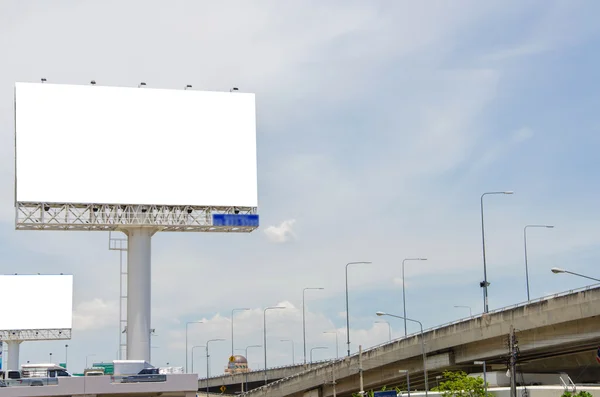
x,y
36,302
116,145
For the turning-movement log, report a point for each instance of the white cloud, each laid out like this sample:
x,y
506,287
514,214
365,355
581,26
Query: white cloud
x,y
282,233
398,281
522,134
95,314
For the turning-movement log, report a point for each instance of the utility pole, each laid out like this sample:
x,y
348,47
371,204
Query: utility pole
x,y
360,371
513,347
333,383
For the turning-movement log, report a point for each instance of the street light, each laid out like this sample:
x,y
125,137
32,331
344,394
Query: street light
x,y
265,334
303,318
247,363
291,343
402,371
186,341
50,357
315,348
389,328
403,293
208,361
466,307
484,284
484,375
337,352
193,347
422,346
248,347
66,355
347,311
233,311
525,245
557,270
86,359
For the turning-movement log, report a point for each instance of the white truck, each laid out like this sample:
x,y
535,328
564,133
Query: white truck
x,y
129,367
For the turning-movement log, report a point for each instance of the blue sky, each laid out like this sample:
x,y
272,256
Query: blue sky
x,y
379,126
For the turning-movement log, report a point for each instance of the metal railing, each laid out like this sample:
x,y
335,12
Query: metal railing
x,y
254,371
138,378
501,309
437,327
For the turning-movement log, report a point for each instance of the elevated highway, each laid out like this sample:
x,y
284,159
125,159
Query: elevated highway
x,y
558,332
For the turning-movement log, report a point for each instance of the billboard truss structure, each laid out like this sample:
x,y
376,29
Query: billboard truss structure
x,y
107,217
35,334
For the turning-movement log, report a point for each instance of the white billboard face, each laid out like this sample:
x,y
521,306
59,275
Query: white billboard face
x,y
36,302
114,145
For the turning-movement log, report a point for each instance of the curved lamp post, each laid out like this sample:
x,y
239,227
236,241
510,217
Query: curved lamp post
x,y
557,270
347,312
232,312
422,346
304,317
484,284
186,341
265,334
525,245
315,348
337,352
403,289
389,328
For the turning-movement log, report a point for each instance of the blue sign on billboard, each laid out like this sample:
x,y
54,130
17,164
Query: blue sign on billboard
x,y
235,220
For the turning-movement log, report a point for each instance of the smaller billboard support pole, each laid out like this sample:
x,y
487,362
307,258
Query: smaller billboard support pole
x,y
13,355
139,239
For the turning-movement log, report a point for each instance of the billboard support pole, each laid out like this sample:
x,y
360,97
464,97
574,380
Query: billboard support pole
x,y
138,291
13,355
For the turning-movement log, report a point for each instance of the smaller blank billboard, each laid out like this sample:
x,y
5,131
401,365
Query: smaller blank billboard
x,y
36,302
123,145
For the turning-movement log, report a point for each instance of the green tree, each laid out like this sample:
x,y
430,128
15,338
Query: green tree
x,y
582,393
459,384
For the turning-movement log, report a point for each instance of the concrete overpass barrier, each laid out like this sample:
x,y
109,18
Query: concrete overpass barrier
x,y
253,377
176,385
562,322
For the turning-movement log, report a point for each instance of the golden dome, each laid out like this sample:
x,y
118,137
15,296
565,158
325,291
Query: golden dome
x,y
240,359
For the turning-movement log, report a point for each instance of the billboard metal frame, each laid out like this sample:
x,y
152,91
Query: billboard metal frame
x,y
35,334
108,217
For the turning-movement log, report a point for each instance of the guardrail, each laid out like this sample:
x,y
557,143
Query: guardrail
x,y
138,378
501,309
255,371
